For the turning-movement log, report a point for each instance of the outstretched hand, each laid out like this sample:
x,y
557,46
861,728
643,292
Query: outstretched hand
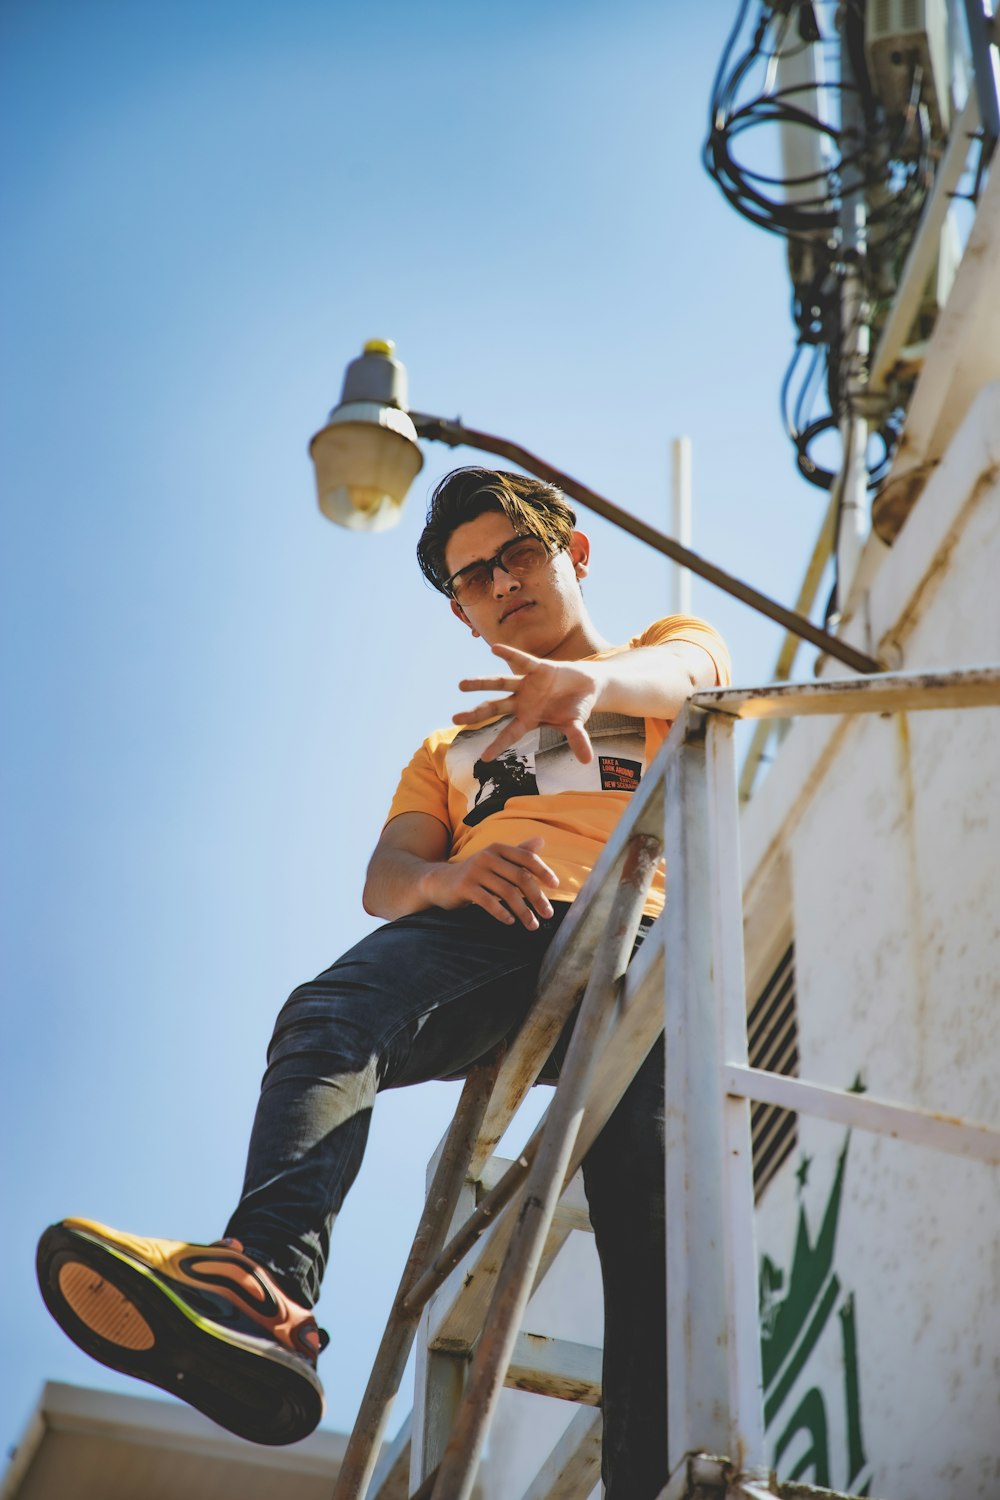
x,y
561,693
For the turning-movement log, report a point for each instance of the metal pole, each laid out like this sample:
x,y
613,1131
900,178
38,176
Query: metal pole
x,y
443,430
852,526
680,513
697,1365
484,1216
746,1402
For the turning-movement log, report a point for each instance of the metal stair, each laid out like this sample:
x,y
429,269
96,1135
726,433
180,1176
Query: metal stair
x,y
508,1220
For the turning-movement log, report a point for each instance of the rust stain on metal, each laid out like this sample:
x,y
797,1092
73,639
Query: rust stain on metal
x,y
580,1391
643,850
480,1220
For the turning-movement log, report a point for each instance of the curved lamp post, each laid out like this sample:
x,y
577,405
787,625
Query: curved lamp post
x,y
367,456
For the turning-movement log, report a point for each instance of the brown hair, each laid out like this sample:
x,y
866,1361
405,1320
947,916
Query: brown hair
x,y
532,507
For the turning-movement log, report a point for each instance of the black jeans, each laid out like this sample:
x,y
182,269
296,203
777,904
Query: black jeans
x,y
426,997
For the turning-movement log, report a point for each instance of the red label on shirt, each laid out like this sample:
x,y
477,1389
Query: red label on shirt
x,y
619,775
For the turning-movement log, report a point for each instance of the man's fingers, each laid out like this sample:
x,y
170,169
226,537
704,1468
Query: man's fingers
x,y
498,896
494,907
519,660
579,742
508,736
493,708
527,904
536,866
507,881
489,684
529,874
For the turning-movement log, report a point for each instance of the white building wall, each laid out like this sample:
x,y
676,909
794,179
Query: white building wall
x,y
888,829
874,843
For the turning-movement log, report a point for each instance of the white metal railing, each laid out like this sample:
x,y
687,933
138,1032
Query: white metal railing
x,y
688,979
714,1374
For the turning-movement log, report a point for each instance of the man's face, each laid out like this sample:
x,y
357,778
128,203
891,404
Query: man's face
x,y
536,613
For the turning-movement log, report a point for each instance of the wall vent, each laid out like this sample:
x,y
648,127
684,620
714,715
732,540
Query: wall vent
x,y
773,1043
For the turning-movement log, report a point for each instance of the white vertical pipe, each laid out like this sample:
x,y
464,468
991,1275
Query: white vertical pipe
x,y
698,1415
853,521
746,1409
680,522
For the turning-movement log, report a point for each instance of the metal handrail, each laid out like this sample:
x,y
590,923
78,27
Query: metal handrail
x,y
716,1403
687,806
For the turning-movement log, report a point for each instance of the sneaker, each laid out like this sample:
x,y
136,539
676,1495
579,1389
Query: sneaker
x,y
203,1322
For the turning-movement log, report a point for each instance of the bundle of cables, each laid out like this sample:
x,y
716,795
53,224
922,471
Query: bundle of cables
x,y
885,161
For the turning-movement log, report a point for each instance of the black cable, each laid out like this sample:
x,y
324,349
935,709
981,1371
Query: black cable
x,y
890,164
737,27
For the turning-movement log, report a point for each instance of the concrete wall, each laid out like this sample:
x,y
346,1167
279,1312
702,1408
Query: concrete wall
x,y
874,844
887,831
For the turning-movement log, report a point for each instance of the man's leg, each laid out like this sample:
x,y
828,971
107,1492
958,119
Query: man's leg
x,y
423,997
624,1177
227,1331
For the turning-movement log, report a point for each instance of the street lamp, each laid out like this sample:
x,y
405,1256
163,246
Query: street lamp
x,y
367,456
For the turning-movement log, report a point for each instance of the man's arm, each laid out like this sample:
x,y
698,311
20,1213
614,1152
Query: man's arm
x,y
648,681
653,681
409,871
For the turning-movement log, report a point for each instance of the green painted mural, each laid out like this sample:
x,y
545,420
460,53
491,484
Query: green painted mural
x,y
796,1315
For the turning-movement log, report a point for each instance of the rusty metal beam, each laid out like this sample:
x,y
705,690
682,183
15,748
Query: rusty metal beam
x,y
745,1488
555,1367
572,1212
888,692
456,434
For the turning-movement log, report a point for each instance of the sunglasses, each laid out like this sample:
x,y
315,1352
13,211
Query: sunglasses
x,y
518,557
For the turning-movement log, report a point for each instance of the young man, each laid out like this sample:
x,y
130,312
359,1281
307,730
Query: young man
x,y
494,827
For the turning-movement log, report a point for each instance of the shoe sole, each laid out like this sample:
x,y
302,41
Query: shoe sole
x,y
128,1317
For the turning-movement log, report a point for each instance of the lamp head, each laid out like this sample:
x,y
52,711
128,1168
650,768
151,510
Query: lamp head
x,y
367,455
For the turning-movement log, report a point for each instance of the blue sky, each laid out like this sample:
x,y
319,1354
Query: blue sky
x,y
208,690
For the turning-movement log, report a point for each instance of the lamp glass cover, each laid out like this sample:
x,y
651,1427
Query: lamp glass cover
x,y
365,462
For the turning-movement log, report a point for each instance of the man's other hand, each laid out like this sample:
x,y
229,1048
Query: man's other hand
x,y
507,880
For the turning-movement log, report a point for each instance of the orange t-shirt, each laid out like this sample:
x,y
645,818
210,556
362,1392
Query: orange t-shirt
x,y
537,787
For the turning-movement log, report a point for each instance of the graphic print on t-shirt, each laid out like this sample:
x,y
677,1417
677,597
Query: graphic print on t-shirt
x,y
542,762
510,775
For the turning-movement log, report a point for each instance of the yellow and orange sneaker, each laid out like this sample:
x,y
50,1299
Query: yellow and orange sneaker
x,y
203,1322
